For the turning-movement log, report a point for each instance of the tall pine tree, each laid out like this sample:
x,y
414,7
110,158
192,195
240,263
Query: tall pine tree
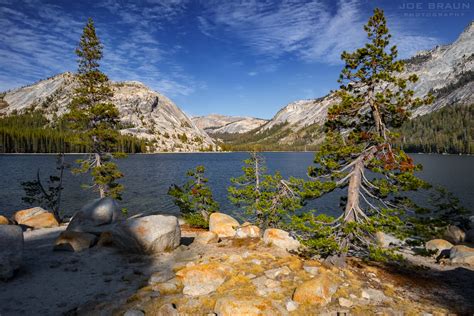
x,y
357,155
94,117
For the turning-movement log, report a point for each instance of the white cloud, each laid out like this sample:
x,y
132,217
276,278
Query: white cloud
x,y
252,73
37,40
313,31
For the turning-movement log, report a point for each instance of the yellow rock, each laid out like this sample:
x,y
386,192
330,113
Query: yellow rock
x,y
206,238
44,220
438,245
4,220
222,224
248,306
317,291
203,279
247,230
280,239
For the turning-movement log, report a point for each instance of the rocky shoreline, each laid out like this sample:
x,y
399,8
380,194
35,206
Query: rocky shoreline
x,y
155,265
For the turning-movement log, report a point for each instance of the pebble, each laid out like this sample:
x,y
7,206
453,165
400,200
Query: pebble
x,y
344,302
291,306
256,261
311,270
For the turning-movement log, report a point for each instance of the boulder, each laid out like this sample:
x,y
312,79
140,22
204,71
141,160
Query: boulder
x,y
74,241
203,279
4,220
96,216
45,220
222,224
11,250
247,230
454,234
149,234
36,218
317,291
280,239
438,245
206,238
385,240
462,254
250,306
23,215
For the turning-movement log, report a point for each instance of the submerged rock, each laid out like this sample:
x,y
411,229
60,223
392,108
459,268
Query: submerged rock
x,y
11,250
149,234
74,241
223,225
280,239
96,216
36,218
462,254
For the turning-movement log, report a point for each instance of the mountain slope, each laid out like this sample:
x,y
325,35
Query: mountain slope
x,y
144,113
445,71
221,124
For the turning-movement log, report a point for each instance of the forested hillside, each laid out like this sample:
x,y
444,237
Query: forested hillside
x,y
32,133
449,130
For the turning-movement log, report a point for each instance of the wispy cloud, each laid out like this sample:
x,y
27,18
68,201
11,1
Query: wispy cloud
x,y
34,42
313,31
138,54
37,40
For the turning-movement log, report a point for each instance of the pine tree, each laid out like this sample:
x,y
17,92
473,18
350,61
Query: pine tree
x,y
48,197
194,198
357,155
266,198
94,117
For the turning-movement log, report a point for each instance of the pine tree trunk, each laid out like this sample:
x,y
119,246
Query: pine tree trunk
x,y
98,163
353,192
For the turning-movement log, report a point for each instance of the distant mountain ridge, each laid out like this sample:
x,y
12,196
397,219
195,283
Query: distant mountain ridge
x,y
145,113
222,124
446,71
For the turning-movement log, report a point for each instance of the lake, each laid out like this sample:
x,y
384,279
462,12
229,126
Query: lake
x,y
148,177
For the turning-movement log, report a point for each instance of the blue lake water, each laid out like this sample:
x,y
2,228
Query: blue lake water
x,y
147,178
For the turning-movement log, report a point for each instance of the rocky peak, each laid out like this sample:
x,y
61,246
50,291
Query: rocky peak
x,y
146,113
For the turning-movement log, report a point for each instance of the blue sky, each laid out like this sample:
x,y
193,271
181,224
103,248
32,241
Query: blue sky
x,y
237,57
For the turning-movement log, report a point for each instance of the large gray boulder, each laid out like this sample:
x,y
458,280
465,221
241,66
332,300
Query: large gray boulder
x,y
11,250
96,216
149,234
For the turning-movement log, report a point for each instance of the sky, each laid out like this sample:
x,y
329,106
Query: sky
x,y
232,57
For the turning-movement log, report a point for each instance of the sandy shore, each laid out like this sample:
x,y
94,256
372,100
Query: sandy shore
x,y
58,282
